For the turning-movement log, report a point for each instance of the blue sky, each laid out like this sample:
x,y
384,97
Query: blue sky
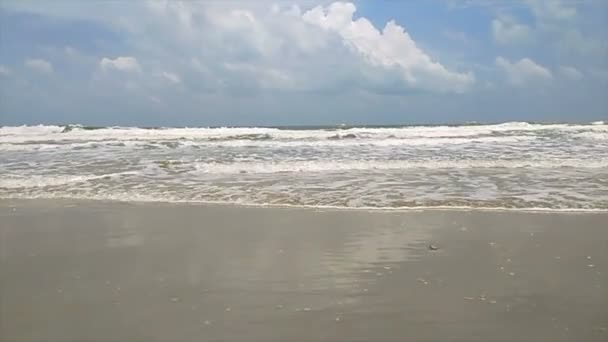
x,y
199,63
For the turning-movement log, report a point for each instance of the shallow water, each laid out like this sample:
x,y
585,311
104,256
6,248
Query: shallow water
x,y
510,165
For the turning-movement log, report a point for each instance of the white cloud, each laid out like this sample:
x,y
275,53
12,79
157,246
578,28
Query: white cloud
x,y
171,77
523,71
506,30
4,71
244,45
39,65
572,40
570,72
266,77
255,45
554,23
391,47
126,64
552,9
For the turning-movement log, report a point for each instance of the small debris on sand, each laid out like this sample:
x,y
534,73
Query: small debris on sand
x,y
433,247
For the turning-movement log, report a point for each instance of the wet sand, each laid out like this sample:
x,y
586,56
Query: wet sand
x,y
94,271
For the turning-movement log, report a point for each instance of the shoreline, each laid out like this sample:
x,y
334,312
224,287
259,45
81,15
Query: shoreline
x,y
312,207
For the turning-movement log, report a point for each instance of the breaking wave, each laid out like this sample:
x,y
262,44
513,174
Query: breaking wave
x,y
515,165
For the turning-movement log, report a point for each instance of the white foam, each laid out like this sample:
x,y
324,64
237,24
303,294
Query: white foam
x,y
527,165
38,181
345,165
592,135
54,133
11,147
131,197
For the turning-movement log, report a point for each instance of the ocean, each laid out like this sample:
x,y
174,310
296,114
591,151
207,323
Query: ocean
x,y
514,165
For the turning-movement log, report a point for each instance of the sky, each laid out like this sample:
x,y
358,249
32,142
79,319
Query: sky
x,y
309,62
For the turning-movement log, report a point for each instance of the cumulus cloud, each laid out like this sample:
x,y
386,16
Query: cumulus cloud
x,y
39,65
391,47
257,45
253,45
249,60
523,71
506,30
570,73
126,64
4,71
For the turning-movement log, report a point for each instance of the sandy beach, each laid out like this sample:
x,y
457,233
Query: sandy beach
x,y
103,271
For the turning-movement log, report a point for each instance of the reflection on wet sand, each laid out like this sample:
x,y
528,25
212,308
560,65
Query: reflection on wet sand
x,y
123,272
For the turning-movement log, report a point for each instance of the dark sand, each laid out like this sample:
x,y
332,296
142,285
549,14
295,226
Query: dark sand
x,y
93,271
